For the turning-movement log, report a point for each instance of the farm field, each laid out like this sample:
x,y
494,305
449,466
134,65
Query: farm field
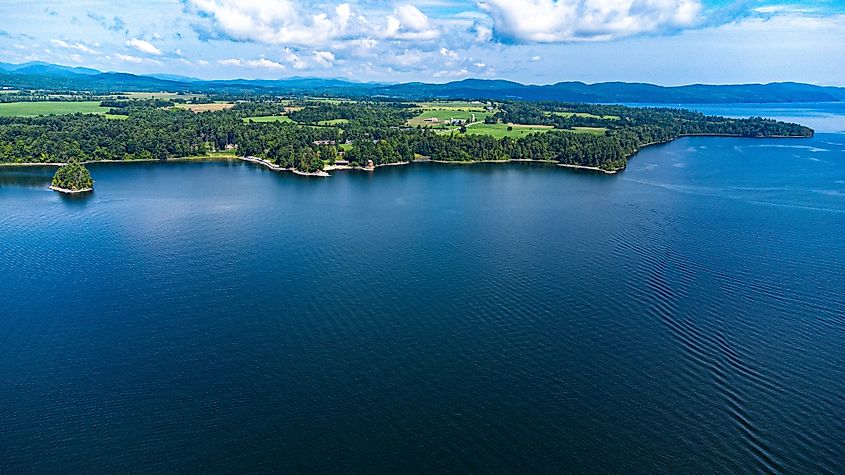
x,y
444,115
31,109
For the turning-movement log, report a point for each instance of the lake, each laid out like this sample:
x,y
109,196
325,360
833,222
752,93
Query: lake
x,y
686,315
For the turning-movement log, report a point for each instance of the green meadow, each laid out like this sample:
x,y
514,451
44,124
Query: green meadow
x,y
31,109
500,131
444,115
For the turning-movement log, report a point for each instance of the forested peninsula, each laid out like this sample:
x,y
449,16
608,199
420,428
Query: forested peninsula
x,y
312,134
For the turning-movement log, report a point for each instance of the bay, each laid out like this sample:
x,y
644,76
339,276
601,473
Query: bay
x,y
686,315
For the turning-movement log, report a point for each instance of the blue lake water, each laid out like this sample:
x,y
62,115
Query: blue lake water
x,y
686,315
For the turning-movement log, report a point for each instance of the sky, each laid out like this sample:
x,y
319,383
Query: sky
x,y
668,42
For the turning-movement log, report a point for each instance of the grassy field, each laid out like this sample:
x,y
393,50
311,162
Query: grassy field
x,y
590,130
585,114
444,115
501,130
215,106
30,109
222,154
268,118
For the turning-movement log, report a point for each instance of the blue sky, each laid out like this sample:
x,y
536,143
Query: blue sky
x,y
533,41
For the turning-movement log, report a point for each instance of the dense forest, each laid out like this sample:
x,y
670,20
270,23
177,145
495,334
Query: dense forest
x,y
316,133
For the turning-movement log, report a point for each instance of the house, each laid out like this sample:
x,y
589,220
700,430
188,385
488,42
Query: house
x,y
324,142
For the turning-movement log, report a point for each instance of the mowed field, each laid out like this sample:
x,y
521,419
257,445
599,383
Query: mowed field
x,y
445,111
31,109
500,131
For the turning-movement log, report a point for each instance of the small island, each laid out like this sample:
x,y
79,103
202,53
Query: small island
x,y
72,178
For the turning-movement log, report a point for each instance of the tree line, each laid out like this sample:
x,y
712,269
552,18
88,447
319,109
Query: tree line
x,y
375,131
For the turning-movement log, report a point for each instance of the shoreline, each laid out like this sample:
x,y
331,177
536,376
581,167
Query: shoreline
x,y
68,191
209,158
593,169
276,168
324,173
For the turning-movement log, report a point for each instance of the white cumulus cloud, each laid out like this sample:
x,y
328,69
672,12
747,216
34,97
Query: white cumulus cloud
x,y
275,21
143,46
409,23
549,21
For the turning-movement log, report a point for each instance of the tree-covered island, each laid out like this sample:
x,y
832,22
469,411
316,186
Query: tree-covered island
x,y
310,135
72,178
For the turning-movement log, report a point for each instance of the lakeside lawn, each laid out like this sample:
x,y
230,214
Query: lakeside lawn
x,y
32,109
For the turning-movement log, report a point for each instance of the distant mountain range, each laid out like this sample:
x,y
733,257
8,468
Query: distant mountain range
x,y
52,76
